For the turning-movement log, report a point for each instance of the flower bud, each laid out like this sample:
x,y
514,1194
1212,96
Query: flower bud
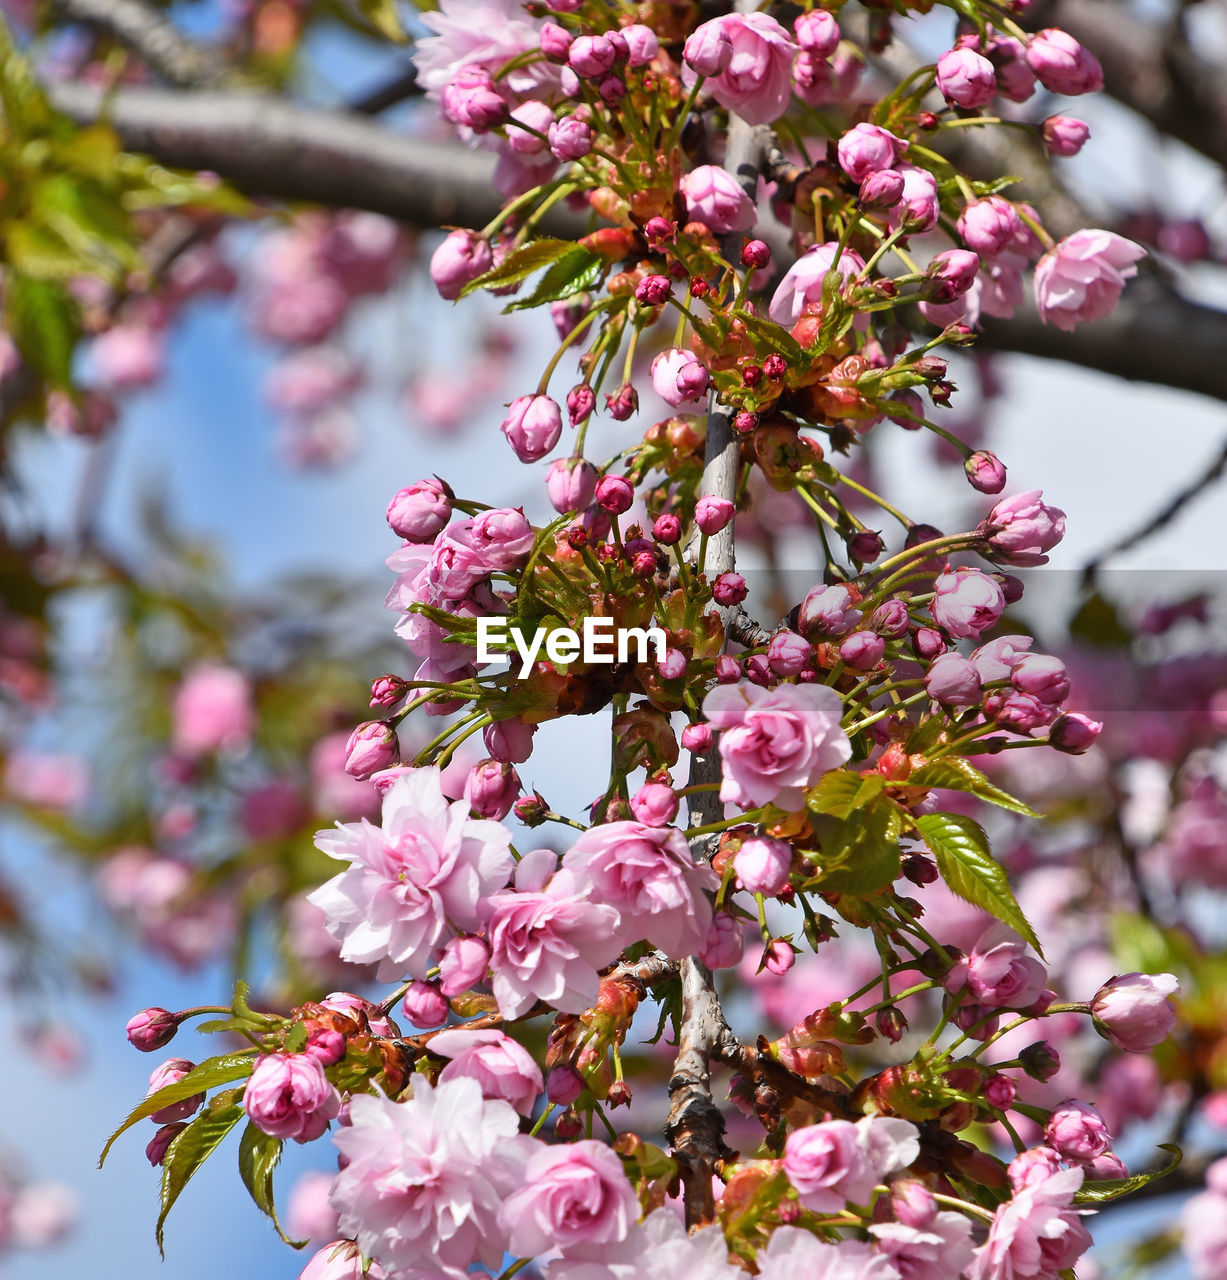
x,y
708,49
491,788
531,810
1074,733
464,963
387,690
570,484
713,514
667,529
1133,1011
788,654
421,511
425,1006
1040,1061
919,869
655,804
155,1150
865,547
1064,135
882,189
614,494
510,740
171,1072
965,78
817,33
862,650
462,257
952,680
697,738
763,864
779,957
563,1085
985,471
592,57
653,290
555,41
371,747
928,643
570,138
581,400
727,669
951,273
151,1029
729,589
623,403
890,619
755,254
891,1023
1062,65
532,426
471,98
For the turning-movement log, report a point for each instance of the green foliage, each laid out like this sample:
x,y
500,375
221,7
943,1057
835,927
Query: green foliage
x,y
223,1069
954,773
858,854
520,264
1113,1188
259,1153
194,1146
575,271
969,868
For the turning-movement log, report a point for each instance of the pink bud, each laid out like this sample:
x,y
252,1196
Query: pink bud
x,y
462,257
371,747
756,254
387,691
471,98
464,963
655,804
965,78
592,57
763,864
673,665
510,740
697,738
571,484
952,680
788,654
491,788
171,1072
151,1029
729,589
862,650
581,400
708,50
421,511
1074,733
1062,65
950,275
538,119
987,226
865,547
425,1006
928,643
912,1202
622,403
1077,1132
1133,1010
882,189
615,494
890,619
532,426
667,529
999,1091
570,138
1064,135
727,669
555,41
1042,676
653,290
563,1085
817,33
725,943
155,1150
642,44
985,471
779,957
713,514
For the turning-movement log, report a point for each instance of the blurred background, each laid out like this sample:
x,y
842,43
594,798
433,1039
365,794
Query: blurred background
x,y
191,582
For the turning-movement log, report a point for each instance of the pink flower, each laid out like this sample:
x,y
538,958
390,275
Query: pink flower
x,y
919,205
965,78
966,602
420,512
776,742
801,287
988,225
1133,1011
649,876
464,963
502,1066
574,1197
995,660
715,197
46,780
868,148
756,83
1062,65
936,1249
151,1029
817,32
288,1096
1022,528
462,257
763,864
424,1178
1204,1220
1034,1235
1077,1132
655,804
953,681
725,943
212,712
570,484
827,611
483,33
998,972
1082,278
837,1163
547,942
413,882
128,356
1065,135
794,1254
679,378
371,748
532,426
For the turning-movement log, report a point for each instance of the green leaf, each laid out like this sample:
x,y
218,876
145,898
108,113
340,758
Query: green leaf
x,y
578,269
35,250
259,1153
969,868
773,337
841,791
858,854
520,264
190,1150
43,322
954,773
211,1072
1113,1188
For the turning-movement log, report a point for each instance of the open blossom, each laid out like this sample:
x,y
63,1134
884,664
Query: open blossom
x,y
647,874
479,33
937,1248
1082,277
776,742
1022,528
836,1162
756,81
288,1096
340,1260
547,942
424,1178
794,1254
1034,1235
501,1065
574,1197
998,972
801,286
414,881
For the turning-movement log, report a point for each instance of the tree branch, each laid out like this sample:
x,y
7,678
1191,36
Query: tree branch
x,y
152,37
